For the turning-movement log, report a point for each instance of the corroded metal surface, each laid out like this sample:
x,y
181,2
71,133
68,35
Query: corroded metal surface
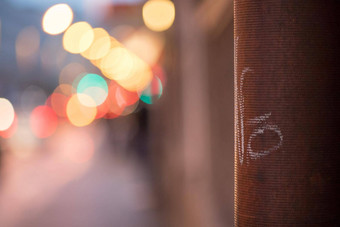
x,y
286,80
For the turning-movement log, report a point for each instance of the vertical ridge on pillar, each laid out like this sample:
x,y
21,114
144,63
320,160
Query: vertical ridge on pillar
x,y
287,69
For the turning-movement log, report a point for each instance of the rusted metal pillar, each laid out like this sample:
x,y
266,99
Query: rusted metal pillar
x,y
287,73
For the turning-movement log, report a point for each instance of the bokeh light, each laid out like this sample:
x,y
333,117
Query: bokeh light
x,y
58,102
78,37
79,114
8,133
6,114
76,82
145,44
94,86
153,91
43,121
140,76
117,64
125,97
160,73
130,109
57,19
100,46
158,15
113,107
65,89
103,109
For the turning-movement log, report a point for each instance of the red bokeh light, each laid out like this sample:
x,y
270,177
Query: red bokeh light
x,y
127,97
114,107
58,103
43,121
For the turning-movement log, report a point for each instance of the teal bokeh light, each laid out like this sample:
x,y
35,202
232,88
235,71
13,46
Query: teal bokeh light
x,y
94,86
153,92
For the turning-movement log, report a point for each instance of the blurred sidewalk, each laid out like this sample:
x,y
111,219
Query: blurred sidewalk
x,y
105,191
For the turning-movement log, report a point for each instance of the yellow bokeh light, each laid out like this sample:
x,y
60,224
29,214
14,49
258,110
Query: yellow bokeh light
x,y
158,15
78,114
117,64
139,77
6,114
145,44
100,45
78,37
114,44
57,19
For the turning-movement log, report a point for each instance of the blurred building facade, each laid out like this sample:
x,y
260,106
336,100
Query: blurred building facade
x,y
192,128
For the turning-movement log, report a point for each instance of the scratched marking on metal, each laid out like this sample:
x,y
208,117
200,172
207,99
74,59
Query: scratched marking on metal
x,y
260,122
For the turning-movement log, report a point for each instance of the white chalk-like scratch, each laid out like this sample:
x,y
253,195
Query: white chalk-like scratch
x,y
263,126
260,123
240,106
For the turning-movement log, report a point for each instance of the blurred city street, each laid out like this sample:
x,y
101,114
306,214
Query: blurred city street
x,y
55,189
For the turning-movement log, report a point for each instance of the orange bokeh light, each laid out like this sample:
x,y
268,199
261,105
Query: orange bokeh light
x,y
78,37
78,114
58,102
100,46
159,15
